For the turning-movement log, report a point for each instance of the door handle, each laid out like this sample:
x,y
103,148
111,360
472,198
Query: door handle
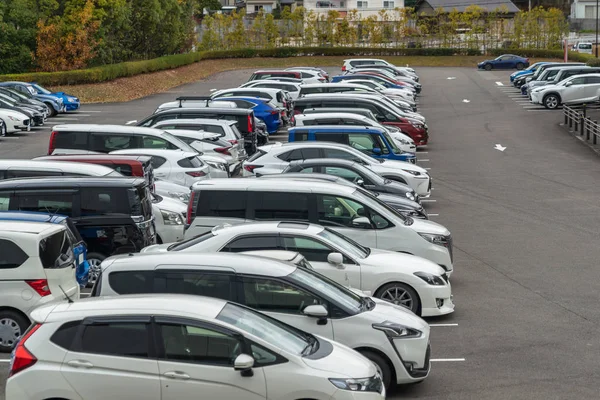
x,y
177,375
80,364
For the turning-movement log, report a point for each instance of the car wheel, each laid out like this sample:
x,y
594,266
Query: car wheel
x,y
383,367
520,66
488,67
400,294
53,112
551,101
94,260
12,326
3,128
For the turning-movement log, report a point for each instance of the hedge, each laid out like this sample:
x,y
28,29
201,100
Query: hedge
x,y
541,53
114,71
594,62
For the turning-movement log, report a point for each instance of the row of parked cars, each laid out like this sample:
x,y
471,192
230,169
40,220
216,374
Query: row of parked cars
x,y
24,105
296,270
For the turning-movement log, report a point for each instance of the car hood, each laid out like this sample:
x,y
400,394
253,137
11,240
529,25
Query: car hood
x,y
396,188
398,200
394,164
173,205
7,112
342,362
385,311
549,87
46,97
407,263
156,248
427,226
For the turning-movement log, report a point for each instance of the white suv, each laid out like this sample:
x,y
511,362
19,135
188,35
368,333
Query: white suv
x,y
37,266
296,296
171,347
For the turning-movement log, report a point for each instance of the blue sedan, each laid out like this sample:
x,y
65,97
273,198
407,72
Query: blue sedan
x,y
71,103
505,61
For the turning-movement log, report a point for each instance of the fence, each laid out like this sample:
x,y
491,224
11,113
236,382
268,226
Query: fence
x,y
578,122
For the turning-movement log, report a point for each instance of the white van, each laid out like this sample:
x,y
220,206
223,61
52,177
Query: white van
x,y
36,266
584,47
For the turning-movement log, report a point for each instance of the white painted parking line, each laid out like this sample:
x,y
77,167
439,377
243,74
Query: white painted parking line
x,y
433,215
542,109
499,83
9,137
91,111
447,359
442,324
4,361
68,119
428,201
428,169
423,159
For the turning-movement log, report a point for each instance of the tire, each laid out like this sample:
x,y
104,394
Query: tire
x,y
488,67
520,66
383,367
94,259
551,101
12,326
53,112
400,294
3,128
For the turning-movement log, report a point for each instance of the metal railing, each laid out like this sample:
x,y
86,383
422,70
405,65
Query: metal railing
x,y
577,121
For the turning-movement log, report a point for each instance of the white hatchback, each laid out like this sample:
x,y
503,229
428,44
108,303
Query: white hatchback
x,y
168,347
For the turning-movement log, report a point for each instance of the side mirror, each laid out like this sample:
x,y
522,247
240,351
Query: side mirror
x,y
244,364
315,310
376,151
336,259
361,222
569,83
360,182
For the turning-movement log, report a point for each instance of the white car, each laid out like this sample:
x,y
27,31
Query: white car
x,y
274,158
180,167
191,102
176,347
406,100
309,75
169,218
297,296
275,96
577,89
173,190
412,282
352,62
292,88
406,94
404,142
351,211
36,265
13,121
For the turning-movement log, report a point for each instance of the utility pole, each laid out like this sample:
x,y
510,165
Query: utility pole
x,y
596,29
530,5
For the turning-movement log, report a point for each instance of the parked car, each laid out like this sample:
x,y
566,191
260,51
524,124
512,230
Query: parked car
x,y
343,87
376,78
505,61
55,104
577,89
12,121
274,158
397,95
554,75
27,101
321,71
373,141
265,74
79,247
36,118
169,218
277,96
308,75
71,103
264,109
394,76
583,47
538,72
283,79
526,72
354,62
392,69
352,212
36,267
296,296
113,216
247,353
292,88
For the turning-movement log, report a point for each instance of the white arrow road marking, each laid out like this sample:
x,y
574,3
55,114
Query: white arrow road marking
x,y
451,78
466,101
212,90
499,147
499,83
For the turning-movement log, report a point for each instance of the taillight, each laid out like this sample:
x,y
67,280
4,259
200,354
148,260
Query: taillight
x,y
190,208
51,144
250,124
40,286
23,358
343,68
196,174
296,112
223,150
275,112
233,141
251,168
322,80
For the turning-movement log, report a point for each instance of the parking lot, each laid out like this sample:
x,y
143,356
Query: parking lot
x,y
525,222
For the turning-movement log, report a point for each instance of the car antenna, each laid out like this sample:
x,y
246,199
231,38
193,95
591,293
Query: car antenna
x,y
70,300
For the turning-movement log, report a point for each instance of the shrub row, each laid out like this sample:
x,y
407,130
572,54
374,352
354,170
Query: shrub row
x,y
114,71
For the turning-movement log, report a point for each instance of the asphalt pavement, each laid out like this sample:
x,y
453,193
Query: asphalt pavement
x,y
519,195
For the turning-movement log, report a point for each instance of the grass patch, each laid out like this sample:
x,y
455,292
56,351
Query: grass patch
x,y
134,87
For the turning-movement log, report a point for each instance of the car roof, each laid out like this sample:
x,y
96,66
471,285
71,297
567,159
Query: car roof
x,y
134,130
204,110
281,255
162,304
68,181
336,84
311,143
29,227
238,263
157,152
267,226
48,164
330,96
246,90
107,157
32,216
310,177
319,161
272,70
336,128
553,68
274,184
15,83
347,115
192,121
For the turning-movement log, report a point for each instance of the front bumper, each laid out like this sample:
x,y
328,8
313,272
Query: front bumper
x,y
422,185
38,120
436,300
72,106
350,395
415,358
170,233
536,98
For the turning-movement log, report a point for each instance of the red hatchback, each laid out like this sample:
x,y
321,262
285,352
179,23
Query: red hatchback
x,y
259,75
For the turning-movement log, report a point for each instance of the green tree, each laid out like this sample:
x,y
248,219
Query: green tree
x,y
271,31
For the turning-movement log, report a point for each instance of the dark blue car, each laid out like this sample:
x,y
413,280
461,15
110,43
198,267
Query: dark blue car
x,y
264,111
71,103
79,247
505,61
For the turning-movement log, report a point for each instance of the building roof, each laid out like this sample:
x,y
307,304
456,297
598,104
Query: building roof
x,y
461,5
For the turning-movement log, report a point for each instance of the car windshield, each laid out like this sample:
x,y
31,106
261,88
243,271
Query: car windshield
x,y
178,142
268,329
12,102
345,243
328,288
364,196
41,89
391,142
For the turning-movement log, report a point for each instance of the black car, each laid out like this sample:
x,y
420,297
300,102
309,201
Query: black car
x,y
112,215
405,206
353,172
245,119
36,117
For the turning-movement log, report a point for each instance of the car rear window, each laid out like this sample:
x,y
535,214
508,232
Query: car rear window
x,y
131,282
71,140
259,153
11,255
65,335
190,162
55,251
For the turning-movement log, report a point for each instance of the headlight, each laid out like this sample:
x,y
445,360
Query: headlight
x,y
415,173
71,99
185,197
13,118
410,196
404,142
172,218
417,125
217,165
395,330
430,278
373,384
440,240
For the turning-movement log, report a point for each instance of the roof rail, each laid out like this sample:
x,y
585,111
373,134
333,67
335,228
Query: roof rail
x,y
181,99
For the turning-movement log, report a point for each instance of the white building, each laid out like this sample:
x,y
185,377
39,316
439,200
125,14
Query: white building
x,y
583,9
364,7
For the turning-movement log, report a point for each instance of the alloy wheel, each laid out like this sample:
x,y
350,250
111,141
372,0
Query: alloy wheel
x,y
551,102
94,270
3,129
10,332
398,296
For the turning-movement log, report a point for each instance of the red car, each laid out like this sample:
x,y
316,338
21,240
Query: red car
x,y
263,74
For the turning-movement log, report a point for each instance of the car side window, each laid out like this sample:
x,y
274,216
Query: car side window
x,y
334,153
65,335
11,255
578,81
124,339
592,79
4,201
199,344
46,202
363,142
106,143
131,282
331,137
271,295
341,212
250,243
152,142
308,247
157,161
293,155
227,204
309,153
345,173
281,206
198,283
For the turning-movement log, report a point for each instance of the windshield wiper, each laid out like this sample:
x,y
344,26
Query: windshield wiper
x,y
312,346
408,221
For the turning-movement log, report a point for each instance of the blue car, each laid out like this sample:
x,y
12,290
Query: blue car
x,y
55,105
527,71
79,247
374,78
71,102
372,141
264,111
505,61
